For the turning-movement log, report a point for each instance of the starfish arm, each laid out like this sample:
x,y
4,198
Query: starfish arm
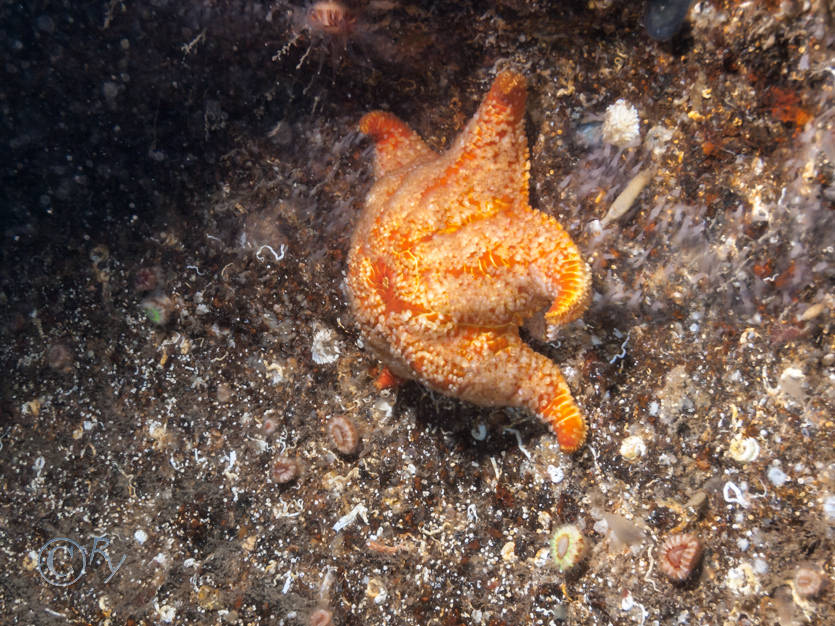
x,y
496,368
557,408
573,293
397,145
492,150
561,273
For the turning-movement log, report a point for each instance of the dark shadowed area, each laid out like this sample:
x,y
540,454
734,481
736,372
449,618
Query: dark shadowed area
x,y
187,412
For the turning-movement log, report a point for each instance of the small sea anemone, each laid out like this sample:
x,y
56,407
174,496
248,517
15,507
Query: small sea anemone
x,y
285,469
679,555
343,433
567,547
330,18
157,308
321,617
808,581
328,25
335,29
147,278
269,425
59,357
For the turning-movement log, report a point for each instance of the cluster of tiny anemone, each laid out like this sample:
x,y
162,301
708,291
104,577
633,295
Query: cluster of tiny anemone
x,y
344,437
621,125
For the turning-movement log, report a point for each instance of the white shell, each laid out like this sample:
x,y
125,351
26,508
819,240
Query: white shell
x,y
744,449
633,447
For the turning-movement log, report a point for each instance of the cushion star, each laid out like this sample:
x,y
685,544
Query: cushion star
x,y
449,259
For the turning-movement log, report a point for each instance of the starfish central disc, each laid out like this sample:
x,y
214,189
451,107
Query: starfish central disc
x,y
449,259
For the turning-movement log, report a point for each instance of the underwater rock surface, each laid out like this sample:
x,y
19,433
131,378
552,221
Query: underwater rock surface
x,y
178,192
663,18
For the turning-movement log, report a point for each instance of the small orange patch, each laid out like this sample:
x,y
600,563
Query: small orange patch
x,y
784,106
764,269
786,277
387,380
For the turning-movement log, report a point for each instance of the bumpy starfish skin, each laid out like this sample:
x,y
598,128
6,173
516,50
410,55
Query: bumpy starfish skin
x,y
449,259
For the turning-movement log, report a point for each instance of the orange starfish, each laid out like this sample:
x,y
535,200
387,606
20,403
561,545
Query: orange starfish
x,y
449,259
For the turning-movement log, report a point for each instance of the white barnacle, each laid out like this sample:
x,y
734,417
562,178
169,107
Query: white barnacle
x,y
325,348
633,447
744,449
